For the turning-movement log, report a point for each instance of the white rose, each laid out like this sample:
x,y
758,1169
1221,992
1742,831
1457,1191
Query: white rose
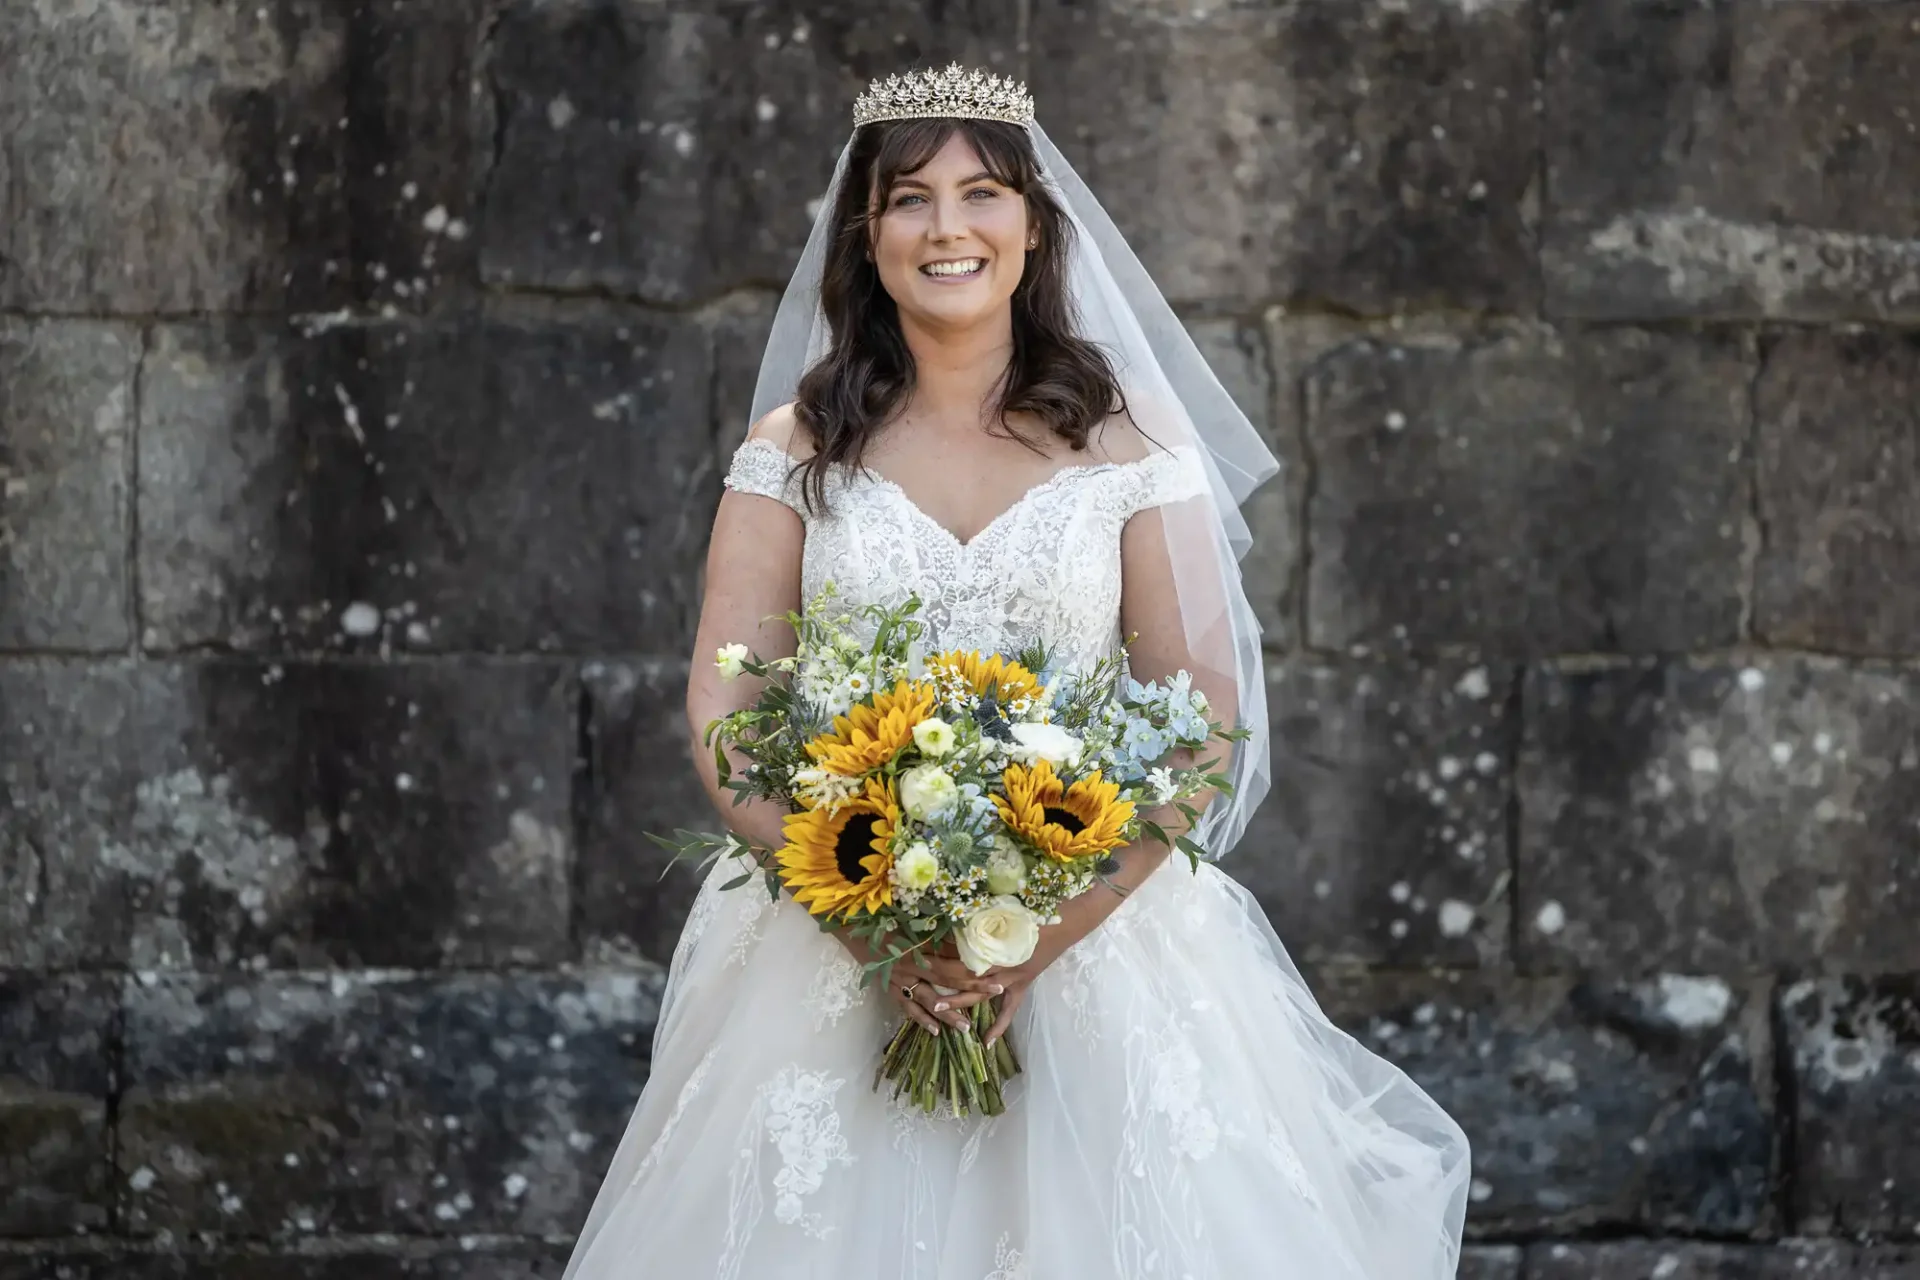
x,y
1001,933
926,790
933,736
917,868
1047,742
731,659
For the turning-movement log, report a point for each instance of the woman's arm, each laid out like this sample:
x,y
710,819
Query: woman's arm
x,y
752,581
1150,612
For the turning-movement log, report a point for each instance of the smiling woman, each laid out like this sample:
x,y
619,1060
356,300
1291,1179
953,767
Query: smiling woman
x,y
943,228
939,371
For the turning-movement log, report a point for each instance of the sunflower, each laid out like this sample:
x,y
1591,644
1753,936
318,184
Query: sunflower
x,y
1003,678
870,735
839,863
1063,822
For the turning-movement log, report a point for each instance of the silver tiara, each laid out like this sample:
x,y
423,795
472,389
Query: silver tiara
x,y
955,92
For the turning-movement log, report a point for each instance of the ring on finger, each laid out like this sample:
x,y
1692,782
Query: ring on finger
x,y
907,992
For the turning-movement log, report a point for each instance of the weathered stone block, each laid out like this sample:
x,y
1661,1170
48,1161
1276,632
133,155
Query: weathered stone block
x,y
1529,493
1371,157
56,1072
1716,818
672,154
1588,1105
1732,160
1856,1078
1384,838
1490,1262
1839,493
66,416
638,780
741,325
1239,356
69,764
441,792
288,154
517,480
295,1105
1691,1260
220,812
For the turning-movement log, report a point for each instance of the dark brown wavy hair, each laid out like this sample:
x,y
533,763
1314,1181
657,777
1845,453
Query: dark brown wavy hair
x,y
867,375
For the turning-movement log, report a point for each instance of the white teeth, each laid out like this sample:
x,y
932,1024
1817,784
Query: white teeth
x,y
965,267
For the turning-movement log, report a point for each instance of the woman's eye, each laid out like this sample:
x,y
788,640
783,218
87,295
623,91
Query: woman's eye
x,y
982,191
900,201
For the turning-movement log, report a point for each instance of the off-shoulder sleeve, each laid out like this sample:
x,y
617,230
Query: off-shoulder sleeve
x,y
763,467
1170,475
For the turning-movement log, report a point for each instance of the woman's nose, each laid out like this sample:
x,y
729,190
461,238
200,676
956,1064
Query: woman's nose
x,y
949,219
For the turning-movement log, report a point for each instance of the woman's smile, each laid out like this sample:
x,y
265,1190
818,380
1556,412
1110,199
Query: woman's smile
x,y
954,269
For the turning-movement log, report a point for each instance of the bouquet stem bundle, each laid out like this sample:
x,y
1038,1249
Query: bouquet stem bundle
x,y
956,1066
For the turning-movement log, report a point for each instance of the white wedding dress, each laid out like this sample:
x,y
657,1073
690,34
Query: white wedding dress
x,y
1186,1110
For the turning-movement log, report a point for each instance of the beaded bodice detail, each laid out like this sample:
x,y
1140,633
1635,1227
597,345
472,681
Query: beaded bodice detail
x,y
1044,571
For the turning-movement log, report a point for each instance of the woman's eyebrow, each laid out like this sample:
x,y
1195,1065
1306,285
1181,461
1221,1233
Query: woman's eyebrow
x,y
982,176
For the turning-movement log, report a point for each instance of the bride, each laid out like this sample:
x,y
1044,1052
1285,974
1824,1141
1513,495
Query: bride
x,y
973,392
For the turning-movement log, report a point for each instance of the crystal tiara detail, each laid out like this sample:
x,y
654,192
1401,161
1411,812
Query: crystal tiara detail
x,y
955,92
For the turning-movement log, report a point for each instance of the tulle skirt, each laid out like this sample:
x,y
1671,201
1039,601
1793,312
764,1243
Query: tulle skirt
x,y
1186,1111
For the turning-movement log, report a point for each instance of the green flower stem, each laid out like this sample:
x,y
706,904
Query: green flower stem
x,y
953,1069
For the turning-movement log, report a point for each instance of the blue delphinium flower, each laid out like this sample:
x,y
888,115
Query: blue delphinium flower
x,y
1184,719
1144,741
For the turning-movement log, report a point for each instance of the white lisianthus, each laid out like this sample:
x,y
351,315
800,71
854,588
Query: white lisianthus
x,y
926,790
731,659
1161,780
1049,742
917,868
1003,932
934,736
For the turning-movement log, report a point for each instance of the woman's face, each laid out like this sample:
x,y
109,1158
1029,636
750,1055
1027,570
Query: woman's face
x,y
950,243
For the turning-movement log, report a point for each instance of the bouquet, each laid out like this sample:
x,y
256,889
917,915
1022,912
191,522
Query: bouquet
x,y
947,802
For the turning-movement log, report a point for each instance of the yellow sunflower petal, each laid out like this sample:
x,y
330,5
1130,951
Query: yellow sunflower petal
x,y
839,864
1002,677
871,734
1063,822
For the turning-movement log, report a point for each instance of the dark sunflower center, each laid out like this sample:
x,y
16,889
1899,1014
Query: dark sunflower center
x,y
855,843
1061,818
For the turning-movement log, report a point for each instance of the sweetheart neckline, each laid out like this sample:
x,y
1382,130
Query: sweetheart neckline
x,y
967,544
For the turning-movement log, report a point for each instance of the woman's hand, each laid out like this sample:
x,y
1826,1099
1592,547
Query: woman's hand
x,y
1078,918
912,983
916,991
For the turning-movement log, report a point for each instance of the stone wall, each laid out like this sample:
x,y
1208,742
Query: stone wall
x,y
367,373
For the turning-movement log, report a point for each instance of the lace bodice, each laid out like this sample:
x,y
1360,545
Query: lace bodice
x,y
1046,570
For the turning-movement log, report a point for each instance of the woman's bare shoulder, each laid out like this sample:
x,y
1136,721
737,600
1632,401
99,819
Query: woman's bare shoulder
x,y
781,428
1120,438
